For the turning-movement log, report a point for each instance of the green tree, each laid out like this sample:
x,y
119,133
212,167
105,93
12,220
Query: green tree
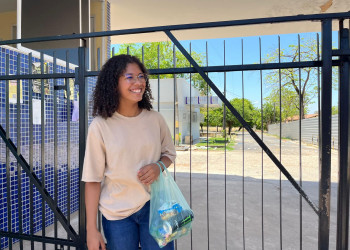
x,y
213,117
334,110
216,115
166,60
296,83
250,113
289,102
270,115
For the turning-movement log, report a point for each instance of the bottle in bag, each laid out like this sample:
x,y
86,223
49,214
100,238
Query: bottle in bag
x,y
174,223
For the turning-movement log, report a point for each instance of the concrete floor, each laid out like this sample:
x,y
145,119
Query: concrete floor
x,y
249,215
210,230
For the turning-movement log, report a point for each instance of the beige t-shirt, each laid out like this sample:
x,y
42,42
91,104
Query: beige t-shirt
x,y
117,147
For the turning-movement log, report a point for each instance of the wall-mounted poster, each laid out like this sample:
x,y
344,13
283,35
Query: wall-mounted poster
x,y
36,69
13,91
71,89
37,112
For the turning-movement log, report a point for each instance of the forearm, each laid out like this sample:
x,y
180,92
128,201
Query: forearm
x,y
92,197
166,161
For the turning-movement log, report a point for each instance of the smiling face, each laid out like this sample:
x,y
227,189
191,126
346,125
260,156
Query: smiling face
x,y
131,91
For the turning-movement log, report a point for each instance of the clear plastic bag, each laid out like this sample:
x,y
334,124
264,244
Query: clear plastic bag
x,y
170,215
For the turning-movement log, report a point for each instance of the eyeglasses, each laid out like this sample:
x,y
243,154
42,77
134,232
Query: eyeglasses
x,y
132,79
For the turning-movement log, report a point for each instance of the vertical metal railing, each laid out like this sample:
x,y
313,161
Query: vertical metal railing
x,y
83,111
262,152
280,145
325,135
344,153
69,169
243,148
8,167
325,144
300,153
31,194
42,153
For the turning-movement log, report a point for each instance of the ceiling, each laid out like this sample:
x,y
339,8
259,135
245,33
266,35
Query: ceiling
x,y
8,5
127,14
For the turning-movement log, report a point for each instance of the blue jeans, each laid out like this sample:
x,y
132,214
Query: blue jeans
x,y
128,233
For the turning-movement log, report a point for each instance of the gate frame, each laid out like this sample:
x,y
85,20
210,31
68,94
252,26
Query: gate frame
x,y
326,63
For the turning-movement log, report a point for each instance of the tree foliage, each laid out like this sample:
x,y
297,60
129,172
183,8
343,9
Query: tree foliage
x,y
216,115
246,109
295,83
166,60
335,110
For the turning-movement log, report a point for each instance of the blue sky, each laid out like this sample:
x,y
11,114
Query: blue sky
x,y
228,51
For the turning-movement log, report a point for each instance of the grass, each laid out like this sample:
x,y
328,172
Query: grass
x,y
218,143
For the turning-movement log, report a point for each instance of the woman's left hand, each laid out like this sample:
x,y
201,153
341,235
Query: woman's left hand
x,y
148,174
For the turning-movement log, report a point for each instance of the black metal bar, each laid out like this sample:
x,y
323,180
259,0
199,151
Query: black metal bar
x,y
190,49
158,64
38,238
42,88
227,68
36,76
176,118
55,145
83,126
41,189
325,138
243,147
98,59
31,195
280,141
262,151
318,96
301,111
8,167
268,20
225,137
19,172
208,217
341,52
242,121
344,152
67,83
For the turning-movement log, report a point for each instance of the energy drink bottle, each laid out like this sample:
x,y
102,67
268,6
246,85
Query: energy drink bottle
x,y
176,222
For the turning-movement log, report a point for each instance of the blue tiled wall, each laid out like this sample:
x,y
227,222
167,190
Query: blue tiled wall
x,y
62,166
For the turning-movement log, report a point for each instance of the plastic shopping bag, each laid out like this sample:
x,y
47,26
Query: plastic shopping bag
x,y
170,214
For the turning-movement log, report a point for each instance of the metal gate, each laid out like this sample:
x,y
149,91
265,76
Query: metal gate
x,y
31,175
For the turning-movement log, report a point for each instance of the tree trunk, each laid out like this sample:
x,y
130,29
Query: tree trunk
x,y
302,108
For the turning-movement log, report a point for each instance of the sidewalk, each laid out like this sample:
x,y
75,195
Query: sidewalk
x,y
258,224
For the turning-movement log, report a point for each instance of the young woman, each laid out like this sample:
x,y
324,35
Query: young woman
x,y
125,141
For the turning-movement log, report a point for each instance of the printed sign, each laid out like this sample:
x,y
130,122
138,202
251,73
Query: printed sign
x,y
36,69
13,91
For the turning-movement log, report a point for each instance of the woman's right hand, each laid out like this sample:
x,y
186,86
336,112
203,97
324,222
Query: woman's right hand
x,y
95,240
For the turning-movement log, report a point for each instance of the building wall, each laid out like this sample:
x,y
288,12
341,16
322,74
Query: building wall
x,y
101,13
47,18
309,130
62,166
7,20
167,107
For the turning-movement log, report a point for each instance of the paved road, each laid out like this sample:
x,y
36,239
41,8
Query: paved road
x,y
270,209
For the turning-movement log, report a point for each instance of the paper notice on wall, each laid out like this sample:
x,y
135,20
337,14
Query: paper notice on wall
x,y
75,115
13,91
37,112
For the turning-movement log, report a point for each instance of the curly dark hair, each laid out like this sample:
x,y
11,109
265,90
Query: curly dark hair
x,y
106,95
